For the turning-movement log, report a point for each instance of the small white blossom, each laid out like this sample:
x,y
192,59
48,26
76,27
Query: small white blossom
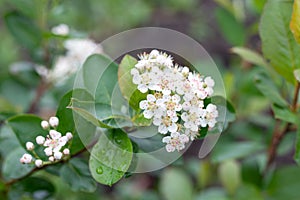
x,y
53,121
51,159
26,158
176,141
58,155
44,125
29,146
61,29
38,163
48,151
40,140
191,134
166,123
69,135
66,151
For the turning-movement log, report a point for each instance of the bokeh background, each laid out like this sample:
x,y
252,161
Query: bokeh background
x,y
234,168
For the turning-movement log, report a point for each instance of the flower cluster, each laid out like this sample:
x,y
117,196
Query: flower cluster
x,y
176,98
77,51
54,145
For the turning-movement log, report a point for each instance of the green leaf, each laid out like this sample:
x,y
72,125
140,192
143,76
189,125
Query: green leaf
x,y
268,88
12,168
77,175
232,30
111,157
250,56
100,115
68,118
228,151
285,184
100,71
128,88
23,29
27,127
32,188
295,21
229,173
278,44
176,185
284,113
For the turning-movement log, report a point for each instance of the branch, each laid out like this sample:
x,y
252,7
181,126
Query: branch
x,y
279,134
39,92
11,182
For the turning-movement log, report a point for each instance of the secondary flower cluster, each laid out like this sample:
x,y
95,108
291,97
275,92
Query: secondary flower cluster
x,y
175,99
54,144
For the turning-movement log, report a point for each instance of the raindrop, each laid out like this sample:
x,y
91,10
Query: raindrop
x,y
99,170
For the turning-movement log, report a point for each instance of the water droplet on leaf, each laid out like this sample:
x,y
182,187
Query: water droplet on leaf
x,y
99,170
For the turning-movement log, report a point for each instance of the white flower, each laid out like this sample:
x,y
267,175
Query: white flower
x,y
192,119
53,121
40,140
61,29
26,158
191,134
58,155
175,141
29,146
209,116
44,125
66,151
151,106
54,134
166,123
38,163
48,151
69,135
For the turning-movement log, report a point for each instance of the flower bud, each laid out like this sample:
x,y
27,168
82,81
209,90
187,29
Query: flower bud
x,y
39,163
54,134
44,124
51,158
40,140
53,121
58,155
26,158
69,135
66,151
29,146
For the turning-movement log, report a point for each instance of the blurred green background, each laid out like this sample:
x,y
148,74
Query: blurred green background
x,y
234,169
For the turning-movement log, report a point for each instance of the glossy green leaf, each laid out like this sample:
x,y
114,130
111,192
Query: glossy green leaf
x,y
278,44
248,192
77,175
268,88
12,168
284,113
111,157
23,29
295,21
27,127
71,122
176,185
32,188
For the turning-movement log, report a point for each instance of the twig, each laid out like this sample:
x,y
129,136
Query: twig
x,y
11,182
279,134
40,90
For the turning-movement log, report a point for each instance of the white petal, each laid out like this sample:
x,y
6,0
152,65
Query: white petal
x,y
166,139
143,104
170,148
